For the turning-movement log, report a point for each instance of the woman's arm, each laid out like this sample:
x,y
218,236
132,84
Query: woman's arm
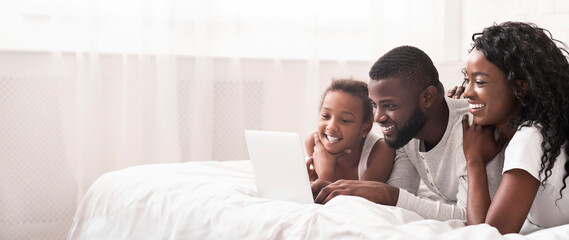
x,y
380,162
512,201
478,194
480,147
514,197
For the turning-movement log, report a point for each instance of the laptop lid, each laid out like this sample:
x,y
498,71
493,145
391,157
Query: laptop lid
x,y
278,160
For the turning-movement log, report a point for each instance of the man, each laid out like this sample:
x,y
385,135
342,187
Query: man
x,y
425,128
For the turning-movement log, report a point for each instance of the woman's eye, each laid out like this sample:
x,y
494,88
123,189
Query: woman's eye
x,y
465,82
480,83
325,116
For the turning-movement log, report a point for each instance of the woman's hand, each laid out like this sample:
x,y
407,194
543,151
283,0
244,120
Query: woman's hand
x,y
479,143
324,161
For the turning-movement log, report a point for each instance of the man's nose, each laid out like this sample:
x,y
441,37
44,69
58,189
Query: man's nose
x,y
379,115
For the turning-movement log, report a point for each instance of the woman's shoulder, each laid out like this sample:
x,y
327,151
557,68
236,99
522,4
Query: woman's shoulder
x,y
524,151
528,131
526,136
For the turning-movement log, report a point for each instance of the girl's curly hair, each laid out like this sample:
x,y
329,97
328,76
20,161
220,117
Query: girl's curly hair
x,y
526,52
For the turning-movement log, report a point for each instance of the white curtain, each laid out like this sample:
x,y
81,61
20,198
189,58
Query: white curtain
x,y
92,86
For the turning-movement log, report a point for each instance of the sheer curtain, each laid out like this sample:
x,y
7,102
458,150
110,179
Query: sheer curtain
x,y
92,86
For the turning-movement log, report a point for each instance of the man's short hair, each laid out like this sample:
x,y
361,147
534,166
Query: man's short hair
x,y
410,65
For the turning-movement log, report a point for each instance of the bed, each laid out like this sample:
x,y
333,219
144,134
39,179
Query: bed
x,y
217,200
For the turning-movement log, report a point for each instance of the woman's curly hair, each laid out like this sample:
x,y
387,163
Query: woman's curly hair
x,y
526,52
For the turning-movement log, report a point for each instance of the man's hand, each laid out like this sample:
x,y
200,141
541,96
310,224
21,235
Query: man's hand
x,y
377,192
317,186
456,92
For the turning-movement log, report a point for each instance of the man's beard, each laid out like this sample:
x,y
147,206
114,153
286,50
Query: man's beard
x,y
409,131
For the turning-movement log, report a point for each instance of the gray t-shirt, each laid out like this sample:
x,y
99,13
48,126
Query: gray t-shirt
x,y
442,169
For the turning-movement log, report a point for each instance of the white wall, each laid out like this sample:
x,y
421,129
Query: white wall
x,y
550,14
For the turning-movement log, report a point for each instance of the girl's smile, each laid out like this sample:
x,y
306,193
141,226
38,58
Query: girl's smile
x,y
341,124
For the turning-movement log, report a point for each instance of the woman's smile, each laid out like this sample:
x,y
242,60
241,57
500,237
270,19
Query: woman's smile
x,y
476,107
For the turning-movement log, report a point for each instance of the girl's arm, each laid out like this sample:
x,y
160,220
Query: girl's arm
x,y
380,162
324,163
309,144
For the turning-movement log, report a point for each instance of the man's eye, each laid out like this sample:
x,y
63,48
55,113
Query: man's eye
x,y
388,106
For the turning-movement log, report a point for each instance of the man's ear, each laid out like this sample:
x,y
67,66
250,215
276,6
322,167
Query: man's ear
x,y
428,96
521,88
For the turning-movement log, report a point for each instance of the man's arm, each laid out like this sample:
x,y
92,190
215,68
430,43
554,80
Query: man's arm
x,y
374,191
404,174
442,211
430,209
388,195
400,191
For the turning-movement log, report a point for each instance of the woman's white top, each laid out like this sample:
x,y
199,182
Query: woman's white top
x,y
548,209
369,142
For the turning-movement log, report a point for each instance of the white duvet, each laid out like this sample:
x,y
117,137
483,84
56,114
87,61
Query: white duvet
x,y
217,200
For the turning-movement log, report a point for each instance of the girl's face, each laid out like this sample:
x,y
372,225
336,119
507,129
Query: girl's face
x,y
341,123
491,98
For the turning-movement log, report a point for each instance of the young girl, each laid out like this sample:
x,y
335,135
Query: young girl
x,y
343,147
517,82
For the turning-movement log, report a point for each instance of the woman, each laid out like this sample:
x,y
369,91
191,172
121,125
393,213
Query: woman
x,y
517,81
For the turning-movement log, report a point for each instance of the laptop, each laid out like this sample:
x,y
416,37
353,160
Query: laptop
x,y
278,160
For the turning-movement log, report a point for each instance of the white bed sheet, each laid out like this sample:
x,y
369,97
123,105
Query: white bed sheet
x,y
217,200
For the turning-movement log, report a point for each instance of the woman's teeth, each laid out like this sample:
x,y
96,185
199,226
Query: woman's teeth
x,y
332,139
476,106
385,129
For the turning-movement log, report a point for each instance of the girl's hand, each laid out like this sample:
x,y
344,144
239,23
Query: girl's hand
x,y
479,143
324,161
311,171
